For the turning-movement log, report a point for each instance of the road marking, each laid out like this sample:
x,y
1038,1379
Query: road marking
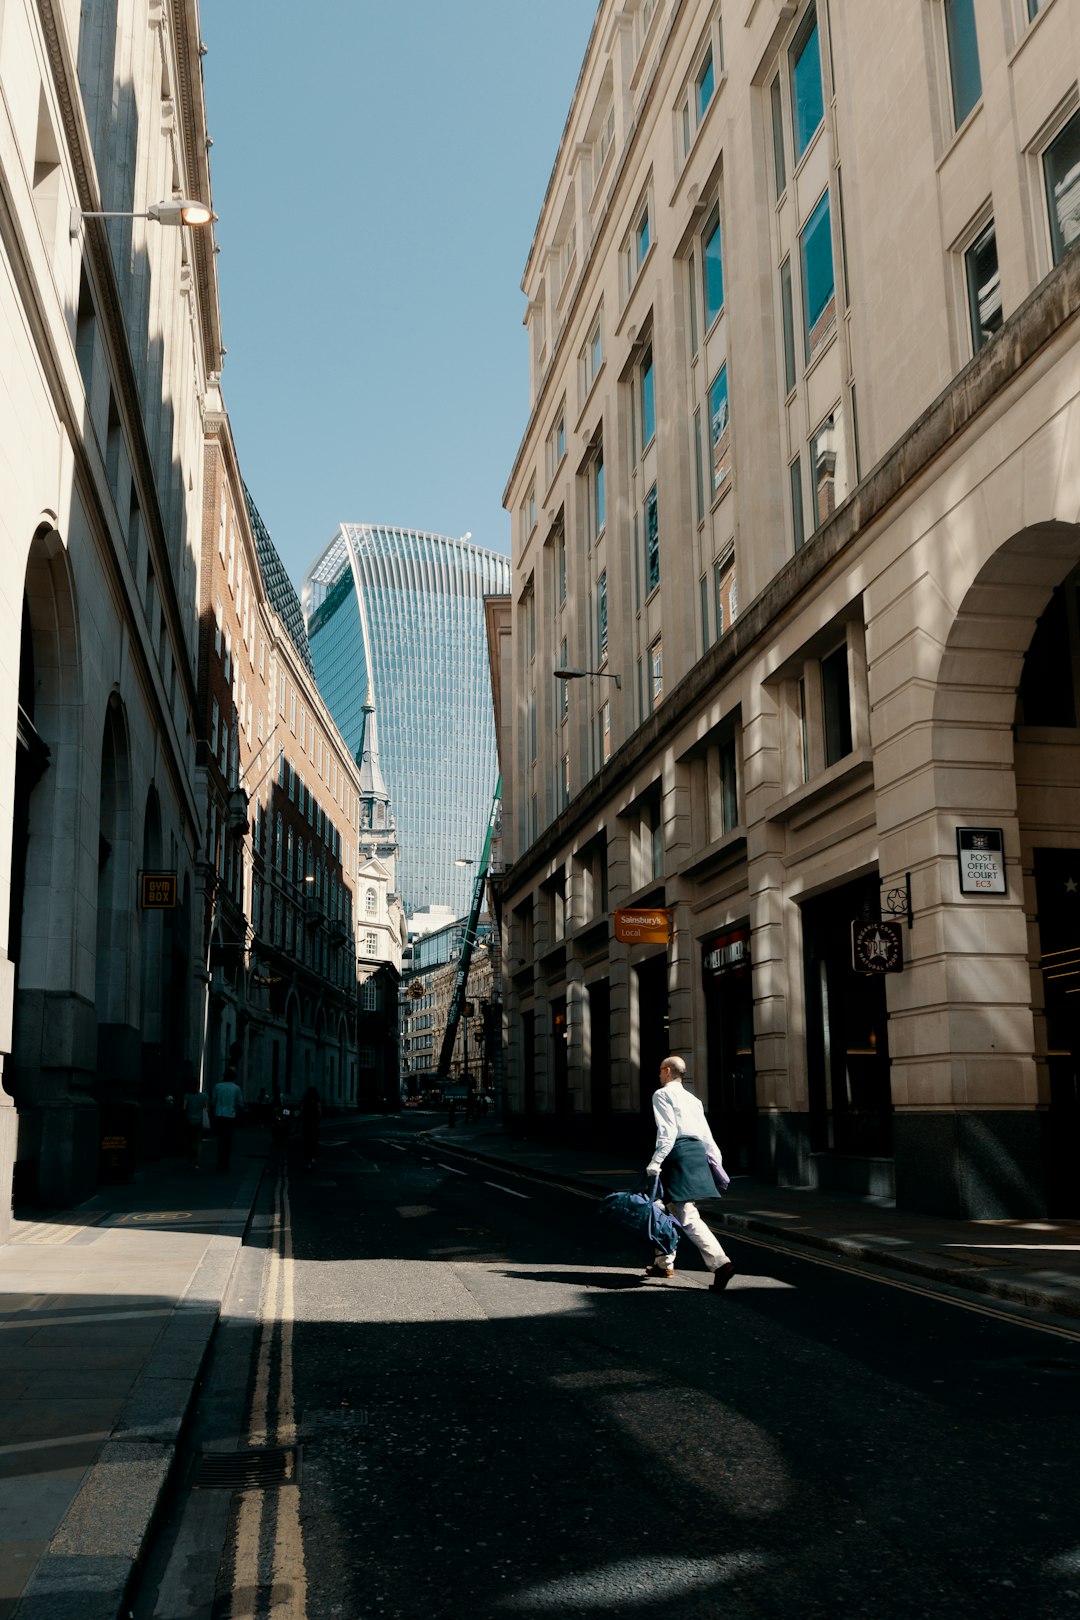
x,y
454,1171
64,1440
398,1146
499,1186
78,1321
269,1567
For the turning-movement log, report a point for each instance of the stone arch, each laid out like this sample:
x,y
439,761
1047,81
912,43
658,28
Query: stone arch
x,y
965,1079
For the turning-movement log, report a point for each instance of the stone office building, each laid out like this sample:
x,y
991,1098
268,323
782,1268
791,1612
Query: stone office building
x,y
110,333
800,486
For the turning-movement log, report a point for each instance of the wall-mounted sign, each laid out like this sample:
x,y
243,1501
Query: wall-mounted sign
x,y
157,891
726,953
643,927
877,947
980,852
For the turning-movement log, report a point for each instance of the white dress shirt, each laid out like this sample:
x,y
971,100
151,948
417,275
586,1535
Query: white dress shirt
x,y
678,1113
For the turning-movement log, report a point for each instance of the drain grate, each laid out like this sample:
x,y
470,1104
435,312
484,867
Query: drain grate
x,y
262,1469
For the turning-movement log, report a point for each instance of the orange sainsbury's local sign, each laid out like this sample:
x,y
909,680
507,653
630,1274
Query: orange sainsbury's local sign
x,y
643,927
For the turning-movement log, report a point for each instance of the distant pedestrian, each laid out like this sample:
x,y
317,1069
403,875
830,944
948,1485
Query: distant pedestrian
x,y
686,1150
227,1100
196,1119
310,1114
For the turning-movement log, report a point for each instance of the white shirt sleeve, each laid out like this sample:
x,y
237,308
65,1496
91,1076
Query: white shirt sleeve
x,y
667,1125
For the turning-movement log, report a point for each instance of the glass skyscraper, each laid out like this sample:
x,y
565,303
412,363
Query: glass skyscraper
x,y
405,612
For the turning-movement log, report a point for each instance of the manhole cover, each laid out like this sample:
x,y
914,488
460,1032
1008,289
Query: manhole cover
x,y
262,1469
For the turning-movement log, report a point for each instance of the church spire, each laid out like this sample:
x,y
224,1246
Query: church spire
x,y
377,830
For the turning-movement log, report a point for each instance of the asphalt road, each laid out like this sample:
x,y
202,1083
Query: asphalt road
x,y
498,1419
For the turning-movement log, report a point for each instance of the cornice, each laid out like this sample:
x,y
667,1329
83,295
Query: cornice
x,y
184,15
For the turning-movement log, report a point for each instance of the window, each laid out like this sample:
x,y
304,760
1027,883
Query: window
x,y
779,165
828,472
712,260
370,902
797,524
371,944
722,786
788,316
656,673
592,357
983,287
560,565
530,507
721,578
281,696
719,432
1061,164
692,303
641,238
704,84
819,286
807,97
836,705
703,592
564,692
605,732
964,75
565,780
597,507
556,445
699,470
601,618
652,541
605,138
647,400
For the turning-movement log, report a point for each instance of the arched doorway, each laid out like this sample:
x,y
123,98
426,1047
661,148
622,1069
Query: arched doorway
x,y
119,1047
52,1067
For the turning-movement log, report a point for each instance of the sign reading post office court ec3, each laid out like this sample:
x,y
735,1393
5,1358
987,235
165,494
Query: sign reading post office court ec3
x,y
980,852
643,927
157,891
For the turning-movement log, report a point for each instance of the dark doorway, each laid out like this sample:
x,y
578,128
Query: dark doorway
x,y
600,1049
847,1040
528,1064
729,1028
653,1035
560,1078
1057,896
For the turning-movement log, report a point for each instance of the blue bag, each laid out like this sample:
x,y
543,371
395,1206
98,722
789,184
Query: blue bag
x,y
644,1214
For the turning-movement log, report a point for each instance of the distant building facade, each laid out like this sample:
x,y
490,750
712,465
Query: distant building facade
x,y
401,613
111,338
801,481
426,992
302,929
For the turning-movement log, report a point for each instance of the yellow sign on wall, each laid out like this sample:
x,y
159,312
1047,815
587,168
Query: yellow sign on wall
x,y
157,891
635,927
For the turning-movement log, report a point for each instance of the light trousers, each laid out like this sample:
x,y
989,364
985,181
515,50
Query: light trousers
x,y
689,1218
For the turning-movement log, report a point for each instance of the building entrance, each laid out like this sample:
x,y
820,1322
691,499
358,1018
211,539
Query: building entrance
x,y
847,1040
729,1032
652,988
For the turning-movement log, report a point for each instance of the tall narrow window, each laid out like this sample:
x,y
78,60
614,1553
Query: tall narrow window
x,y
692,276
601,617
605,731
714,268
656,673
699,471
788,314
1061,164
807,96
599,508
648,401
964,74
704,84
564,693
703,589
720,576
797,523
779,164
642,237
719,432
828,476
729,786
984,287
652,541
836,705
560,565
819,282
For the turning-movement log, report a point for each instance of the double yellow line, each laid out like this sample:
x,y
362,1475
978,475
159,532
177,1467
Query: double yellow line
x,y
269,1572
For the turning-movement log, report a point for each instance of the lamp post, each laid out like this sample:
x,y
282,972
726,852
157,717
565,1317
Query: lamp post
x,y
580,674
177,211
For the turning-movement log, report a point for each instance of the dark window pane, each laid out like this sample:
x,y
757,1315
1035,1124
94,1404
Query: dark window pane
x,y
797,524
652,541
963,57
648,401
836,702
1062,163
706,84
807,98
714,270
778,136
819,284
984,288
789,325
729,785
719,431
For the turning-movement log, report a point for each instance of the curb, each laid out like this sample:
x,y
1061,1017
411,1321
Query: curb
x,y
1059,1303
88,1570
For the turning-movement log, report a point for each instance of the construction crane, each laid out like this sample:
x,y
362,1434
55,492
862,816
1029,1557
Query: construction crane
x,y
461,983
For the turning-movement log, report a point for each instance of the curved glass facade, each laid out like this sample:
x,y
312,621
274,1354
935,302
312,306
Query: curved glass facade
x,y
405,611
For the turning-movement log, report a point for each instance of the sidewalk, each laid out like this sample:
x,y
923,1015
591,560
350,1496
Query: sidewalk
x,y
1033,1264
106,1316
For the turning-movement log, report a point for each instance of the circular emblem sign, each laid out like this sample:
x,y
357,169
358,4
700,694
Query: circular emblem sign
x,y
877,947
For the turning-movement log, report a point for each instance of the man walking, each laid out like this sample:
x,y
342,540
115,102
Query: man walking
x,y
684,1146
227,1100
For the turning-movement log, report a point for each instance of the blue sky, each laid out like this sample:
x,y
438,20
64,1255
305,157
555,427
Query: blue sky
x,y
378,168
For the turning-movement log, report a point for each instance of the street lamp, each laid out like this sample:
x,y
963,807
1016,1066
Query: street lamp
x,y
178,211
580,674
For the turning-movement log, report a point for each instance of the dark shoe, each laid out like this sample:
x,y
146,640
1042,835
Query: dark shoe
x,y
659,1271
721,1277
